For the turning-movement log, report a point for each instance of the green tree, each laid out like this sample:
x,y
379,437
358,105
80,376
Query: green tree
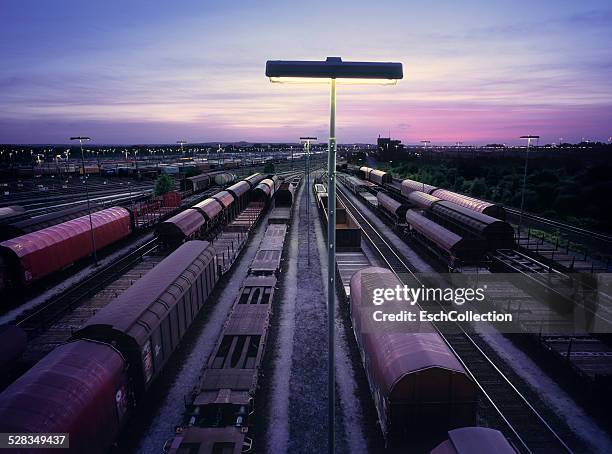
x,y
268,168
163,184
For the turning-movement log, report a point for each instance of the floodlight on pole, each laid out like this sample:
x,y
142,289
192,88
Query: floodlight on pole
x,y
528,138
82,139
333,71
181,143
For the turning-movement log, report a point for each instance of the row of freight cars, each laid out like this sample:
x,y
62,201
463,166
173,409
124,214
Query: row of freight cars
x,y
419,387
32,256
89,386
222,409
204,216
33,248
453,226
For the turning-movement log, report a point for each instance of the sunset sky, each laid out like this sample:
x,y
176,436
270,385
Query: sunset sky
x,y
153,72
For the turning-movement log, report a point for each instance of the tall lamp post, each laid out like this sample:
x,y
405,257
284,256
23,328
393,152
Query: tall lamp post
x,y
82,139
306,141
333,70
528,138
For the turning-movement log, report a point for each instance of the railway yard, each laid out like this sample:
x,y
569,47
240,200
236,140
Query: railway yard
x,y
195,321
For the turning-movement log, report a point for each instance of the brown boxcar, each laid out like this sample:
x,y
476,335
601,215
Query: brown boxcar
x,y
418,385
149,319
393,208
379,177
472,440
181,226
255,179
38,254
480,206
498,234
422,199
80,388
409,186
450,246
225,198
210,208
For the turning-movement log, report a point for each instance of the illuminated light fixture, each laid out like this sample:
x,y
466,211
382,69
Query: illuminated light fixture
x,y
333,70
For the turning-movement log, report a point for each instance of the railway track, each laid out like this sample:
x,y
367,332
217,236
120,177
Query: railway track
x,y
37,320
526,427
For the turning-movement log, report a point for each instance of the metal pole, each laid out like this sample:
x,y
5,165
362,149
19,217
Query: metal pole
x,y
93,240
331,265
307,167
523,191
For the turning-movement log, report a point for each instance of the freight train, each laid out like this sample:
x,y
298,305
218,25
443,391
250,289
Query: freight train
x,y
32,256
89,386
215,210
223,406
459,229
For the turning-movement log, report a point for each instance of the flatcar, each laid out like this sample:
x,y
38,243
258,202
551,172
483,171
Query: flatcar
x,y
418,385
88,386
30,257
221,414
471,440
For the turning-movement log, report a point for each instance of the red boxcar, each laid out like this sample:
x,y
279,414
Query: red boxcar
x,y
45,251
80,388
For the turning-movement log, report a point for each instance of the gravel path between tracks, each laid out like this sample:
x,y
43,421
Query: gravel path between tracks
x,y
73,280
183,371
298,408
557,399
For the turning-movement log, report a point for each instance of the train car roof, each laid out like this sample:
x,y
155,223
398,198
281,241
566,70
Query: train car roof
x,y
413,185
181,225
139,310
480,217
239,189
463,200
224,197
469,440
210,207
396,355
422,199
254,179
442,237
62,392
